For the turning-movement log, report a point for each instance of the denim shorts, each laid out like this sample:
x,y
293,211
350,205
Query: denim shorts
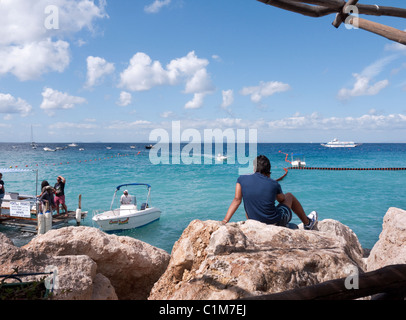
x,y
285,215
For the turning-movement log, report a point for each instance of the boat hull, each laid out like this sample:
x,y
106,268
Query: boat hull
x,y
340,145
126,219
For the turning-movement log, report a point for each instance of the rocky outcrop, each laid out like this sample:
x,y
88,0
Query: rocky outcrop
x,y
76,274
391,246
209,261
237,260
98,265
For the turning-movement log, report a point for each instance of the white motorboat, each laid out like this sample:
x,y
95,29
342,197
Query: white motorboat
x,y
49,149
298,160
127,216
72,145
335,143
221,157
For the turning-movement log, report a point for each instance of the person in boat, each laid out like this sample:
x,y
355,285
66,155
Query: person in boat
x,y
259,192
60,194
2,190
126,198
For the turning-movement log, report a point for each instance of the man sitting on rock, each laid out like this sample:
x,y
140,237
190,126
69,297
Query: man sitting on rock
x,y
259,193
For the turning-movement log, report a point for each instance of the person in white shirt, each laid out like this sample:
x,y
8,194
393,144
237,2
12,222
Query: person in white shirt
x,y
126,198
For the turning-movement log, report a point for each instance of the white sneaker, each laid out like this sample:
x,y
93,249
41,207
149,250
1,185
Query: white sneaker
x,y
313,216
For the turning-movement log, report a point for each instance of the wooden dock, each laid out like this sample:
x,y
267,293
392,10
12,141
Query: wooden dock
x,y
30,224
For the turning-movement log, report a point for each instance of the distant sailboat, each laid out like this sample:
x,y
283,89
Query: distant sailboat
x,y
33,144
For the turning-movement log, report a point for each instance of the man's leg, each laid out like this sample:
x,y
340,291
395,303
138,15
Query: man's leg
x,y
294,204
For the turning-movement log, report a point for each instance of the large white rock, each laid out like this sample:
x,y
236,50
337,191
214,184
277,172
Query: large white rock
x,y
131,266
216,261
391,246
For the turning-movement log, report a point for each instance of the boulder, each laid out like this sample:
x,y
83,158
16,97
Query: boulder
x,y
75,274
391,247
216,261
131,266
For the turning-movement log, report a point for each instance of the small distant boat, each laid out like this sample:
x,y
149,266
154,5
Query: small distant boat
x,y
150,146
298,160
81,149
132,147
335,143
127,216
72,145
49,149
221,157
33,144
108,148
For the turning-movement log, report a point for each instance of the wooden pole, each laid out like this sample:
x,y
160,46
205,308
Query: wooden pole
x,y
319,8
379,29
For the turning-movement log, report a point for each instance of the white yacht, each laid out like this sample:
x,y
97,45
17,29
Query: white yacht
x,y
335,143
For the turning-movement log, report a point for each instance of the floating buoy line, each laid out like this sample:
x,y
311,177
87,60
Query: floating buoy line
x,y
333,169
59,163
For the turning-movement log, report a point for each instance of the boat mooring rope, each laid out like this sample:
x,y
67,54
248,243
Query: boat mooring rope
x,y
333,169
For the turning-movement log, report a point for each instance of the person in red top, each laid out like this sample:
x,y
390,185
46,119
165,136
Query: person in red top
x,y
60,194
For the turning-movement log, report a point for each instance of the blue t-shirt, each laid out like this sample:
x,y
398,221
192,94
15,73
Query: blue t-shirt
x,y
259,195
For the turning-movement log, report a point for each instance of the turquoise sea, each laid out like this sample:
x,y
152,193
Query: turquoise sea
x,y
185,192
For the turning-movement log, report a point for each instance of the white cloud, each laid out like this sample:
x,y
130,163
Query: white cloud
x,y
315,121
264,89
72,125
97,68
27,48
199,83
56,100
196,102
228,98
125,99
31,60
362,85
12,105
166,114
143,74
119,125
156,6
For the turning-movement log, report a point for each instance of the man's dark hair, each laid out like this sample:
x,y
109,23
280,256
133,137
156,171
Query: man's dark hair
x,y
262,165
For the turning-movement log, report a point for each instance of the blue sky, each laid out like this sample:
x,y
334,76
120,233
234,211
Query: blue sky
x,y
115,70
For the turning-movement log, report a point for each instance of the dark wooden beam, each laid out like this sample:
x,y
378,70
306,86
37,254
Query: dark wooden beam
x,y
332,4
295,6
390,279
376,10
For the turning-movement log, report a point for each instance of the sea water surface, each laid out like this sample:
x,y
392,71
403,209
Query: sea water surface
x,y
185,192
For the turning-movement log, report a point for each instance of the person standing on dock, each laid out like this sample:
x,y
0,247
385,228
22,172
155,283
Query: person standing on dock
x,y
46,196
60,194
259,192
2,192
